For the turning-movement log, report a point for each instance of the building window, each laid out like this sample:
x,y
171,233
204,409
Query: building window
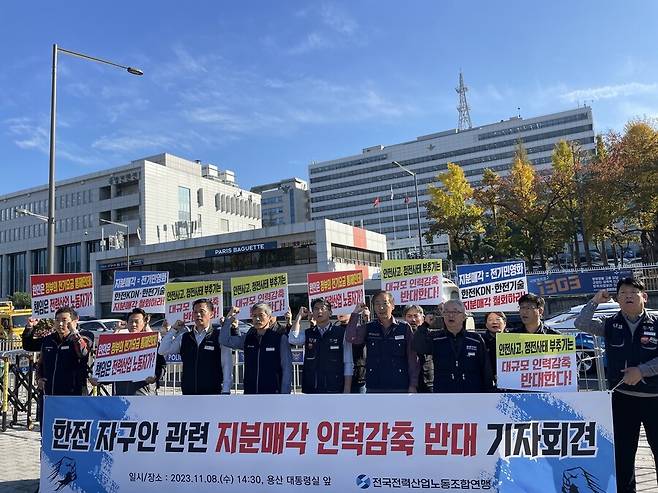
x,y
39,261
69,258
184,206
17,273
199,197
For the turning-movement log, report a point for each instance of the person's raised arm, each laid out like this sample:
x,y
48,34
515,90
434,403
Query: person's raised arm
x,y
225,337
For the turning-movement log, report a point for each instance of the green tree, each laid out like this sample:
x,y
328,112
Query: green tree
x,y
528,201
451,211
21,299
497,237
567,182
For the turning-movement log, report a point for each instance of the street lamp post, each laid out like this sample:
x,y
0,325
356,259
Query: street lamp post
x,y
122,225
51,168
420,237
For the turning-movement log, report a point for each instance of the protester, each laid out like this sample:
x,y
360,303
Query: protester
x,y
34,332
531,308
415,317
358,354
328,365
631,342
495,323
267,354
392,363
138,321
461,362
207,365
62,367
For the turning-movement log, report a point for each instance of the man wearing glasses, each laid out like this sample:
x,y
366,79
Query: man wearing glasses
x,y
391,362
631,345
461,360
328,364
531,309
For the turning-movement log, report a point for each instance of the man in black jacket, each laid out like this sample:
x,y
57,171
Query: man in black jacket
x,y
531,309
461,360
328,363
62,367
267,354
207,366
631,344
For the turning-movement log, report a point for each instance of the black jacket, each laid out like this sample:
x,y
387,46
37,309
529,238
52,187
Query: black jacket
x,y
262,362
63,363
461,361
624,350
202,364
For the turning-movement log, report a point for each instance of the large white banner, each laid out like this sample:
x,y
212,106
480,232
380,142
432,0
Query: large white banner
x,y
333,443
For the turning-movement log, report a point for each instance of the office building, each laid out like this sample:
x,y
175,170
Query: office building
x,y
284,202
370,191
157,199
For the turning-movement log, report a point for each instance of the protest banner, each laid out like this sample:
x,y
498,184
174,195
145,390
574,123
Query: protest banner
x,y
53,291
267,288
546,363
180,296
570,283
125,357
413,281
487,287
334,443
139,289
343,289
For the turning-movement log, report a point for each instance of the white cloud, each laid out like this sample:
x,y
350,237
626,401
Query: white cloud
x,y
337,20
28,134
313,41
610,91
131,143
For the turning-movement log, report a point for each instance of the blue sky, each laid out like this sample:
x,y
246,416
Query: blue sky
x,y
266,87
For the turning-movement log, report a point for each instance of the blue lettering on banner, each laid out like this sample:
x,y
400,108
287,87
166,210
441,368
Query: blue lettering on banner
x,y
566,283
233,250
477,274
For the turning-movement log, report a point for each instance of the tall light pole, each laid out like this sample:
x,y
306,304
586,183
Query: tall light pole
x,y
51,168
122,225
420,237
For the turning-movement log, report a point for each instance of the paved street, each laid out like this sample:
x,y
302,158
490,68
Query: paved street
x,y
19,463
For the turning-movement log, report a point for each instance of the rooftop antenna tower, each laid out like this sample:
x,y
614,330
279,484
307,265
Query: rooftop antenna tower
x,y
464,115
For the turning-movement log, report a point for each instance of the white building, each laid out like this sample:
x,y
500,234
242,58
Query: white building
x,y
345,189
296,249
160,198
284,202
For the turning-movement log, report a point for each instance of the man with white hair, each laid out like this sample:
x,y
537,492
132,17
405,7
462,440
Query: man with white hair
x,y
267,355
461,361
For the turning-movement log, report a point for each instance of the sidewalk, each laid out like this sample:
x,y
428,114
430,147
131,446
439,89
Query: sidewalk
x,y
19,469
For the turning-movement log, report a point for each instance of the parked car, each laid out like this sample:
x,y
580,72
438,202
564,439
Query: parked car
x,y
101,326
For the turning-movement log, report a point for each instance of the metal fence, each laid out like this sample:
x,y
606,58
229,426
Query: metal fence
x,y
20,397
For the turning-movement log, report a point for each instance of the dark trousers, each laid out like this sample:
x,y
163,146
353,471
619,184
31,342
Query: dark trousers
x,y
628,412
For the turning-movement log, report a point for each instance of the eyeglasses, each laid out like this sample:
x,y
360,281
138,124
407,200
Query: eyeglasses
x,y
452,312
381,305
528,307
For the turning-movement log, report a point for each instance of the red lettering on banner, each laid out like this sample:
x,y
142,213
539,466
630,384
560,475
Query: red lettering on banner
x,y
451,439
546,379
261,437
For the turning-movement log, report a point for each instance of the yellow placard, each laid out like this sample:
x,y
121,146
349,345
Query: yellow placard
x,y
523,345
